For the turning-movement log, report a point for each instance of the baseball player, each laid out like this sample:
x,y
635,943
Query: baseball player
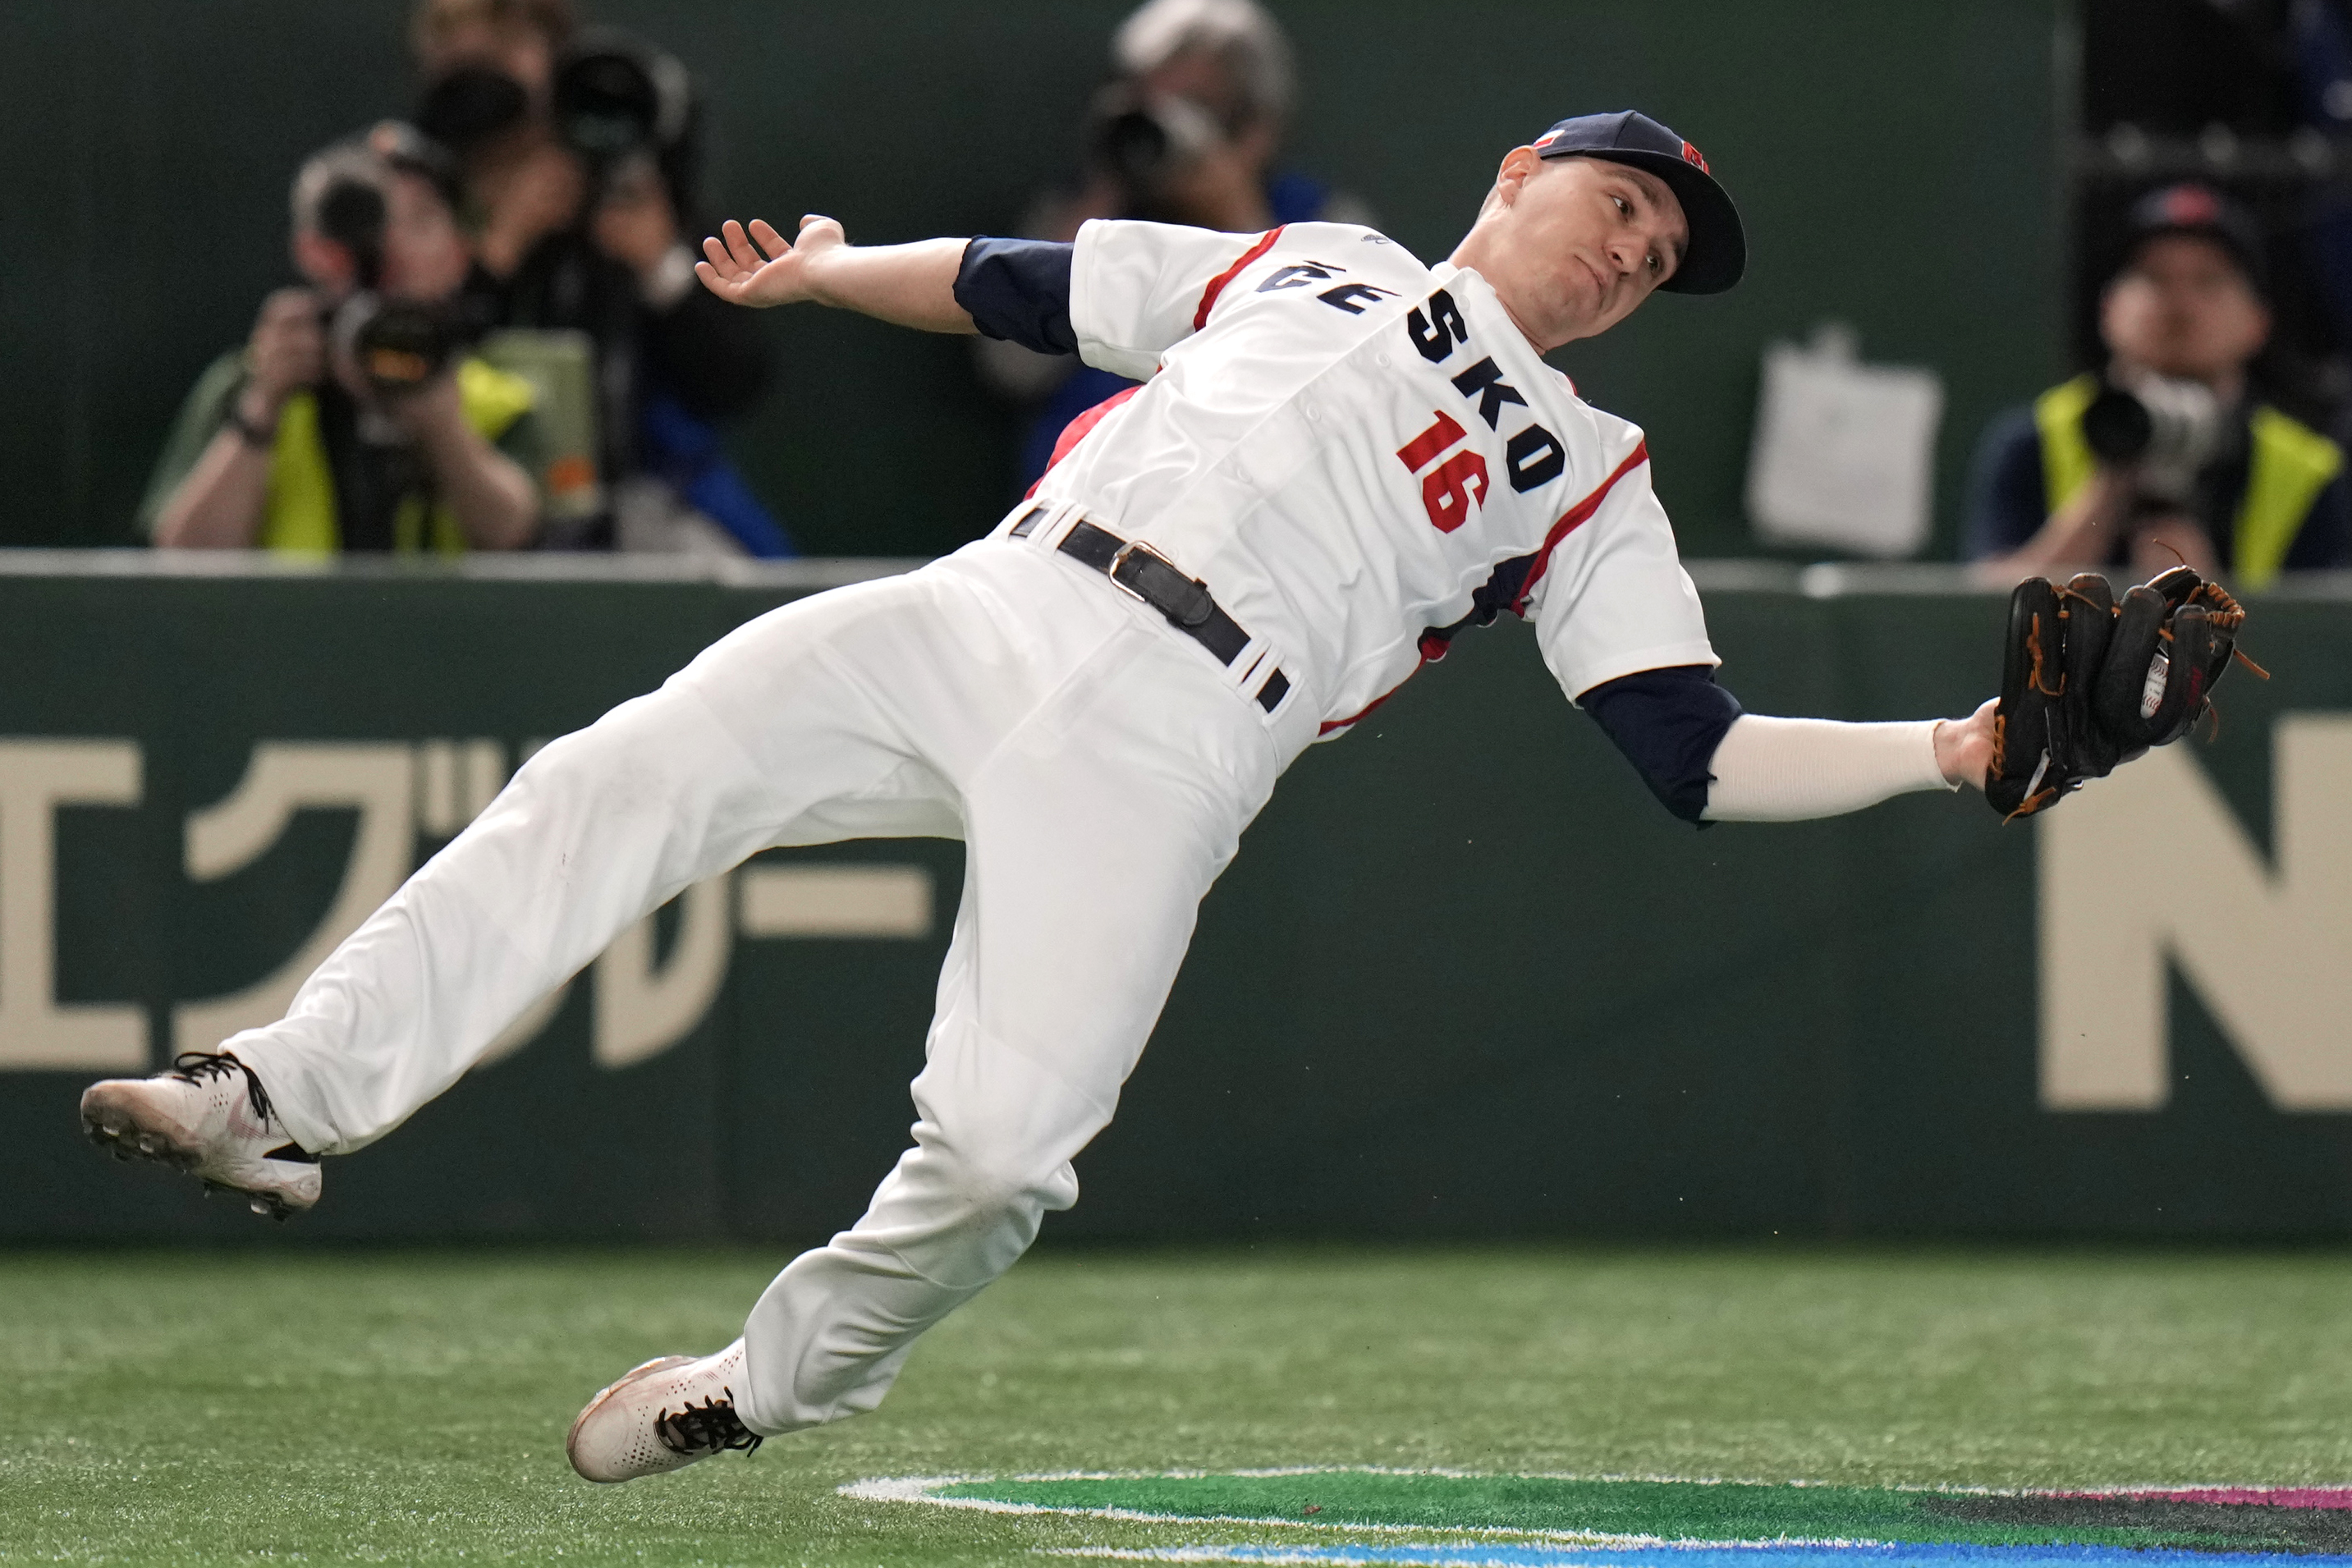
x,y
1341,459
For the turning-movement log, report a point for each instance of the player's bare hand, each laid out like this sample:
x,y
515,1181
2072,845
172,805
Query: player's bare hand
x,y
1964,746
757,266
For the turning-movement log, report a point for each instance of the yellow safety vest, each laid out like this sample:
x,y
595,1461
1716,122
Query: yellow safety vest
x,y
2290,464
298,515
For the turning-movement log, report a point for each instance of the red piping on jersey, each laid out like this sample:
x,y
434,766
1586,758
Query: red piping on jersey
x,y
1217,284
1078,430
1573,519
1330,724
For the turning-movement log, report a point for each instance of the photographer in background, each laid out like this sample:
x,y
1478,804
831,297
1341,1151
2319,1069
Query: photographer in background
x,y
579,151
353,420
1186,132
2170,456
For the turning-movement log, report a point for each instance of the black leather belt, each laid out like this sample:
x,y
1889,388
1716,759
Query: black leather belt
x,y
1141,571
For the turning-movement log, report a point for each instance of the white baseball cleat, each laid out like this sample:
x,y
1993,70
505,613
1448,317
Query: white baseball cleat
x,y
660,1416
210,1117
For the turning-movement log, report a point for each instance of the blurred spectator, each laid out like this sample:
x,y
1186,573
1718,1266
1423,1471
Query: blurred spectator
x,y
2320,44
2170,454
353,420
1187,131
579,150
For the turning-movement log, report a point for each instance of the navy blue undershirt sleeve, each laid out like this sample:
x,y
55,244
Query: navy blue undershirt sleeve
x,y
2006,506
1668,723
1019,289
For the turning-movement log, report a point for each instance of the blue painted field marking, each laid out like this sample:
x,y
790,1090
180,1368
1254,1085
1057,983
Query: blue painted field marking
x,y
1808,1554
1458,1520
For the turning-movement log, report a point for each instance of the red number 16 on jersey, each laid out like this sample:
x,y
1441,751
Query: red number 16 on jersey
x,y
1448,489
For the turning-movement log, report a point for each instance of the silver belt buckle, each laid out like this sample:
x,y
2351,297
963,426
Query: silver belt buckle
x,y
1129,548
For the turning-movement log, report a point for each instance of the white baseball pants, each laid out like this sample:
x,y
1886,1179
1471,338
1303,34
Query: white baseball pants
x,y
1099,766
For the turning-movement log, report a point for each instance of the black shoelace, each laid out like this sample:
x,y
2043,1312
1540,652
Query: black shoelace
x,y
705,1428
198,1066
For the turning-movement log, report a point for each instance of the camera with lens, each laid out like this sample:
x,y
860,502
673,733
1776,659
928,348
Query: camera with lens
x,y
2162,429
398,345
1143,143
465,107
616,100
617,97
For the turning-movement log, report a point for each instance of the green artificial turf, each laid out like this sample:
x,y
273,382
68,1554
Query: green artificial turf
x,y
410,1406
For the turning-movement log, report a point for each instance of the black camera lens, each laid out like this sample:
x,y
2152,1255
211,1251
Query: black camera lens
x,y
353,213
607,105
2117,427
398,344
1134,146
470,106
1143,143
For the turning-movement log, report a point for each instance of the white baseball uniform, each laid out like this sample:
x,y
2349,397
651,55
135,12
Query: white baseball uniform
x,y
1354,453
1363,449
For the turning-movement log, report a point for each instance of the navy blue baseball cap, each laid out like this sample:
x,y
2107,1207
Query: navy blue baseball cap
x,y
2204,212
1717,252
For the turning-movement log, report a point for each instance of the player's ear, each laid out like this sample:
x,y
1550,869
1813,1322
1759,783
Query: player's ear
x,y
1519,165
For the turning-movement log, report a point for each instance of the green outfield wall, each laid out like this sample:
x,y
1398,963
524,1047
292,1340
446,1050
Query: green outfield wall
x,y
1465,979
1897,165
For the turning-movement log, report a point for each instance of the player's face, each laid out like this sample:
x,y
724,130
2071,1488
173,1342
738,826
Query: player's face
x,y
1572,245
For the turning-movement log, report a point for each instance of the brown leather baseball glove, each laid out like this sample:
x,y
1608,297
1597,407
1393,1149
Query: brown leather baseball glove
x,y
2088,684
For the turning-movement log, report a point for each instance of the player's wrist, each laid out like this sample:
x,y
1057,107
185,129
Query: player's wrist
x,y
1949,740
826,275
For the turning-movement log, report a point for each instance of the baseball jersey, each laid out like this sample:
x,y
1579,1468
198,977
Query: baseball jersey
x,y
1360,455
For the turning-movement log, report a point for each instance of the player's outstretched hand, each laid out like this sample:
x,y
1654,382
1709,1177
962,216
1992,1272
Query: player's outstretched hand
x,y
1964,746
774,273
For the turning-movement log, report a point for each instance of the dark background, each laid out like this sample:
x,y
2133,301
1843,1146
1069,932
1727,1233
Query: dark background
x,y
1897,165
